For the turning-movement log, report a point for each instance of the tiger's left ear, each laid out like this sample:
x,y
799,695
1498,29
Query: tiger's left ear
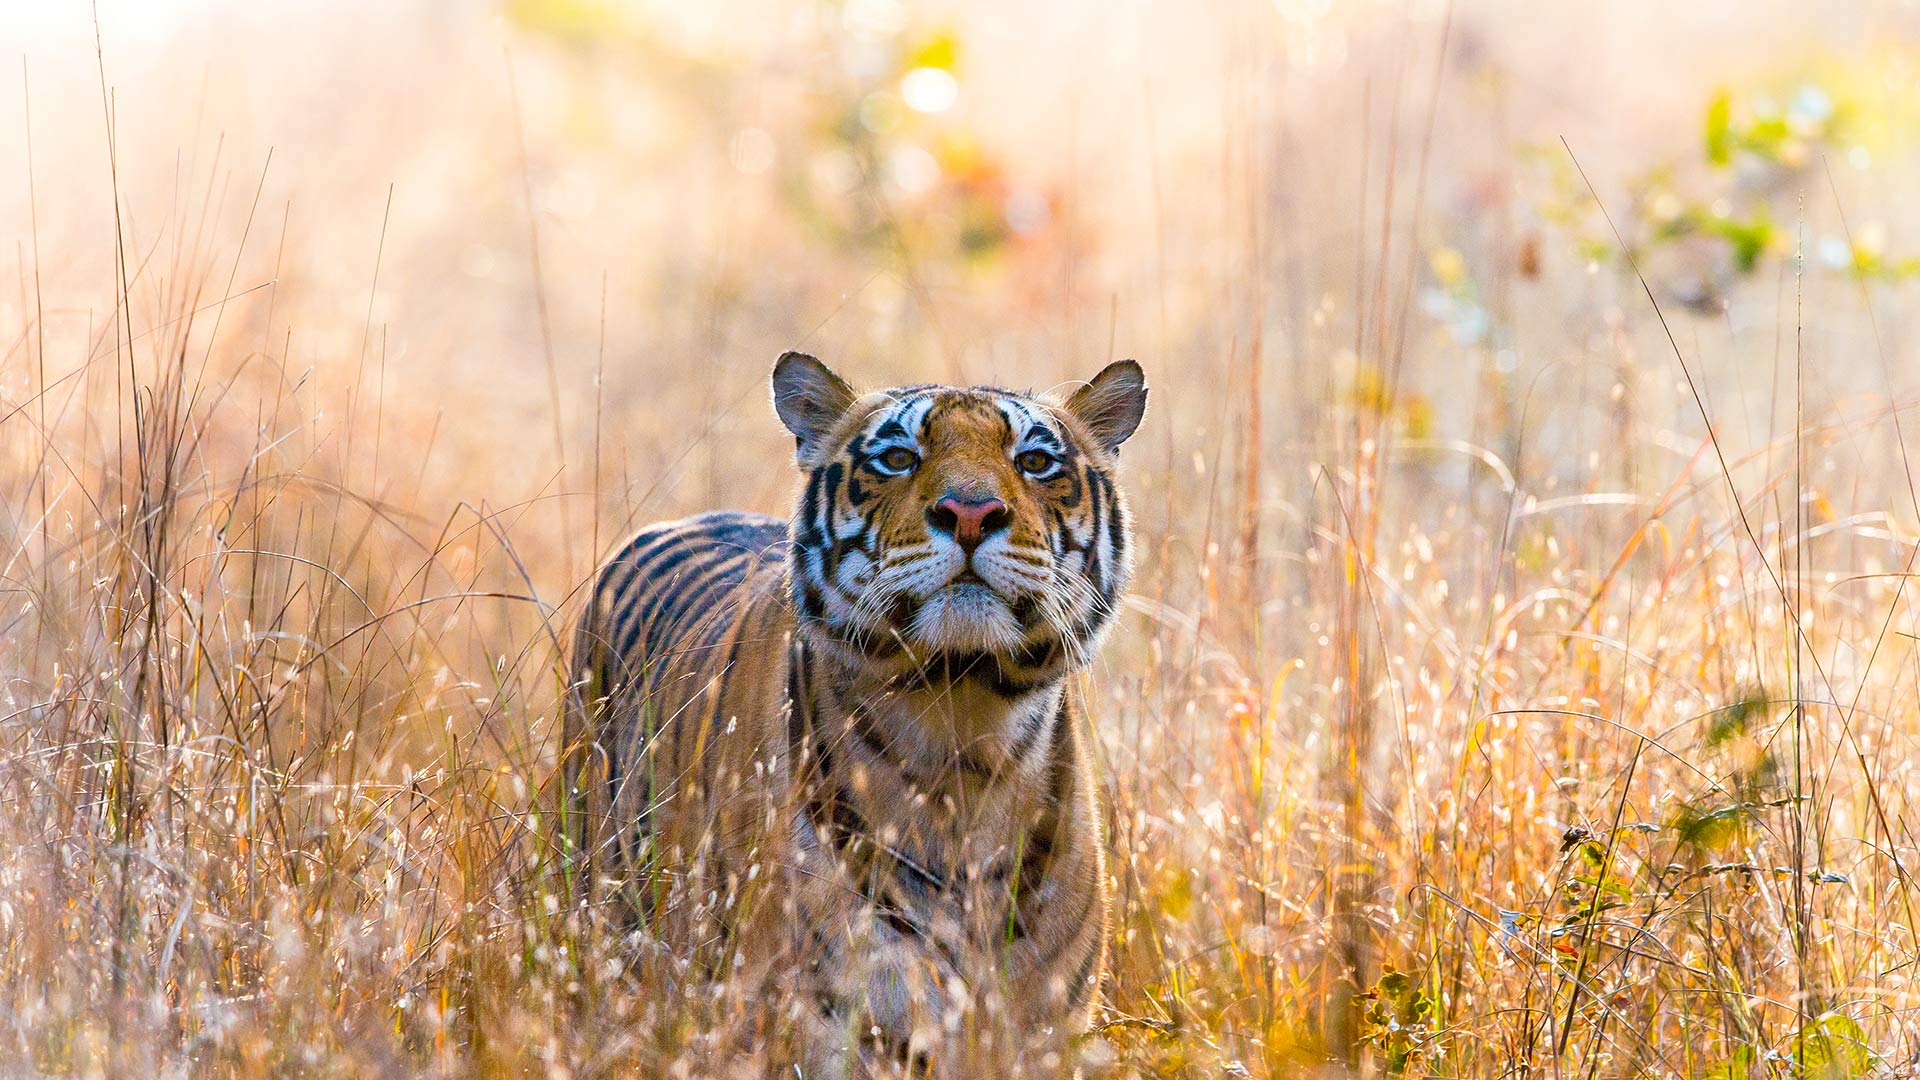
x,y
1112,404
809,398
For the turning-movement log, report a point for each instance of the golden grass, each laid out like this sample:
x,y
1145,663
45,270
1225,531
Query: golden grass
x,y
1491,701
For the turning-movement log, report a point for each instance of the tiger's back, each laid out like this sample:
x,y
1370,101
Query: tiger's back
x,y
679,670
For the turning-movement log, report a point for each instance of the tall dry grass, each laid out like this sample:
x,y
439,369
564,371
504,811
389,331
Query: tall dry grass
x,y
1509,688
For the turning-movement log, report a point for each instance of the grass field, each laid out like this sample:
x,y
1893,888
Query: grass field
x,y
1520,677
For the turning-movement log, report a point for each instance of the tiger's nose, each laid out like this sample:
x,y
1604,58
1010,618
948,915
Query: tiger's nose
x,y
968,521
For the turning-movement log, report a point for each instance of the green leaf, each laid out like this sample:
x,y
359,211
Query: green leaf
x,y
1399,1022
1735,718
1608,885
1720,128
1767,134
1738,1067
1834,1047
1709,829
1749,239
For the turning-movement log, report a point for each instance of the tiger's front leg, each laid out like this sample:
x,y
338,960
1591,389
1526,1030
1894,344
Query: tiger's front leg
x,y
951,997
888,998
1055,954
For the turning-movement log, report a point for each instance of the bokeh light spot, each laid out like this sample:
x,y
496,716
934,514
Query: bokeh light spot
x,y
929,90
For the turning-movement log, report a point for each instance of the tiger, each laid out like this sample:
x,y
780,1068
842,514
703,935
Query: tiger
x,y
846,753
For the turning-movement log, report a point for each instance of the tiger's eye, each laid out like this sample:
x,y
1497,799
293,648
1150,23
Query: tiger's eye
x,y
899,459
1034,461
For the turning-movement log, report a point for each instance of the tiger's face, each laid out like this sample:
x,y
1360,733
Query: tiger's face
x,y
944,526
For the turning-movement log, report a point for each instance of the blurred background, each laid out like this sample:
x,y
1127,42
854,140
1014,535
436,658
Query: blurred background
x,y
1470,512
580,208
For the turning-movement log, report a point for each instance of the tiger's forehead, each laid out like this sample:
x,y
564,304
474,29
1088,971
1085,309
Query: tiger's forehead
x,y
908,413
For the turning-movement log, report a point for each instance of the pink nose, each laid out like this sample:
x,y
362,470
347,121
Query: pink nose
x,y
968,521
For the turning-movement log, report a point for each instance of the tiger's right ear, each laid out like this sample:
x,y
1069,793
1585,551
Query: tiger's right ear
x,y
809,398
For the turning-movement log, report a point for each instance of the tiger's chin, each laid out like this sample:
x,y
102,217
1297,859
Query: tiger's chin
x,y
965,617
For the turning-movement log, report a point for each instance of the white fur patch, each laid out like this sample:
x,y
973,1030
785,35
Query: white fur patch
x,y
965,618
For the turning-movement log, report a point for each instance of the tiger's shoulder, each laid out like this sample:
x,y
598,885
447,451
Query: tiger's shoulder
x,y
671,571
675,599
663,545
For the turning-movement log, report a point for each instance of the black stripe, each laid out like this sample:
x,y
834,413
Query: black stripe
x,y
860,721
1081,988
718,694
944,669
805,532
1030,732
827,541
1060,779
1076,488
796,717
1006,424
1097,514
692,596
807,597
624,567
1116,532
1042,435
626,630
675,578
1033,654
898,920
1064,540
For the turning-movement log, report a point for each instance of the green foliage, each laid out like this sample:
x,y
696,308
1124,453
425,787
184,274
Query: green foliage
x,y
1742,1065
868,164
1735,719
1372,397
1712,830
1833,1047
889,176
1720,128
1399,1020
1718,214
1766,133
1747,239
1871,264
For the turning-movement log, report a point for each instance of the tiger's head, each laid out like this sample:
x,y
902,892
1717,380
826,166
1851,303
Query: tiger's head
x,y
959,530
